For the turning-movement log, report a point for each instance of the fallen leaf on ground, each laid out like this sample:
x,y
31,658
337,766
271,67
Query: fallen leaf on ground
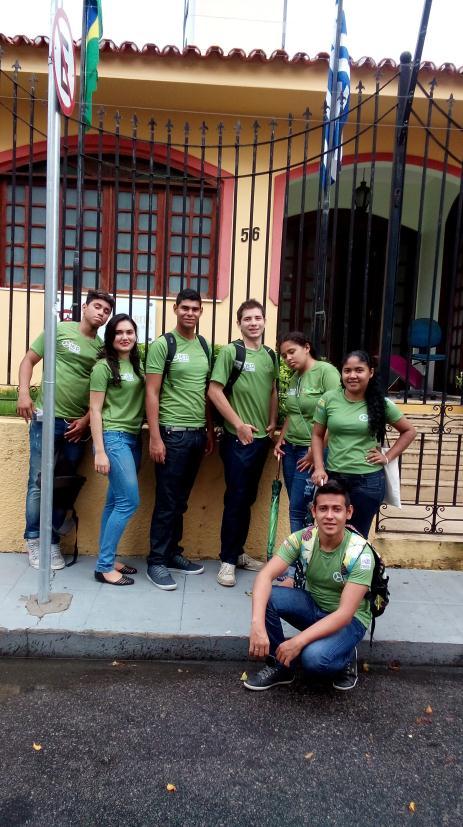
x,y
422,720
115,663
366,667
37,747
428,710
412,807
394,666
179,670
171,788
309,755
244,676
249,594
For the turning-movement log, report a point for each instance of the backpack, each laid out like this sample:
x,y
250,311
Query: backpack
x,y
66,488
377,596
172,350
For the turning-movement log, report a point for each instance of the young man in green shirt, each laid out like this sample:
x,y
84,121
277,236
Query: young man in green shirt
x,y
250,413
332,613
181,433
77,346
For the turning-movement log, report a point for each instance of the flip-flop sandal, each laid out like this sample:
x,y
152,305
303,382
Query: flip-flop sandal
x,y
123,581
127,570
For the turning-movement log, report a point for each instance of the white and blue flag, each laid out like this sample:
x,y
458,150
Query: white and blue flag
x,y
337,104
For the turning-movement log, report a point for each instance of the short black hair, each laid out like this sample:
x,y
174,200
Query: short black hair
x,y
101,295
188,295
248,305
332,487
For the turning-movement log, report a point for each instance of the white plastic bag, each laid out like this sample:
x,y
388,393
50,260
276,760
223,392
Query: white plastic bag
x,y
392,474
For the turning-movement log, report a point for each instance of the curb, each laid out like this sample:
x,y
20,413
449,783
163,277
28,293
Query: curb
x,y
105,645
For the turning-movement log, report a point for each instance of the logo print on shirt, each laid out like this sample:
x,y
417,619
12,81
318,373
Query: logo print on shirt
x,y
337,577
181,357
73,347
365,562
291,392
128,377
363,417
249,367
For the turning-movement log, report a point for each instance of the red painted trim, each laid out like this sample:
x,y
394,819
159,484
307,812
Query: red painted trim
x,y
160,156
313,169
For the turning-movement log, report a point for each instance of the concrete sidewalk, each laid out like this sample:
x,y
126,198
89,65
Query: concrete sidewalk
x,y
202,620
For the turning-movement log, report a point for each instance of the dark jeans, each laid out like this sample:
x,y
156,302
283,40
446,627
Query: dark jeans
x,y
174,481
243,466
299,486
327,655
366,494
70,454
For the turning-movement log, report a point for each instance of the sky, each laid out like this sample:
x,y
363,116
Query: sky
x,y
377,28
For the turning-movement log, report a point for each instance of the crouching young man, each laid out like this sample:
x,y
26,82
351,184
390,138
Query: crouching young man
x,y
331,613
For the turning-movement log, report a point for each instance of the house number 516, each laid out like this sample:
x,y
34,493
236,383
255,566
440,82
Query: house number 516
x,y
250,232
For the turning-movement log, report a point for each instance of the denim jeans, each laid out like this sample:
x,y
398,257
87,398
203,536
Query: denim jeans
x,y
327,655
299,486
71,454
124,454
174,481
243,466
366,495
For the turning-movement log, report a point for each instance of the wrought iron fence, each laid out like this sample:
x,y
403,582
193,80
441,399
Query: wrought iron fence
x,y
234,210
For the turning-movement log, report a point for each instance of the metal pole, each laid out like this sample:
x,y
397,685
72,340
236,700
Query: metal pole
x,y
77,264
319,320
407,84
49,362
283,30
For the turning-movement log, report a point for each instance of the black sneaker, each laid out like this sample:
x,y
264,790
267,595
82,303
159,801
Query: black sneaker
x,y
180,563
348,678
273,674
160,577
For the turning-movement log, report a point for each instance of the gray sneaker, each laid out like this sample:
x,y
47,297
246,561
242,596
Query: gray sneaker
x,y
180,563
33,547
347,679
57,559
160,577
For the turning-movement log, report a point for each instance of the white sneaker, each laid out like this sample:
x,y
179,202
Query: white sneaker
x,y
33,547
226,575
247,562
57,559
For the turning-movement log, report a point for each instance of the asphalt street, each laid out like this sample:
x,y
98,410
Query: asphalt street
x,y
97,743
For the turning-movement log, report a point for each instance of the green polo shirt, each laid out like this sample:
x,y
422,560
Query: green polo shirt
x,y
301,400
349,439
250,395
124,404
324,580
75,357
183,393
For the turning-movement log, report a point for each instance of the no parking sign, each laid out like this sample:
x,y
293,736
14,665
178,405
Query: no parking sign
x,y
64,65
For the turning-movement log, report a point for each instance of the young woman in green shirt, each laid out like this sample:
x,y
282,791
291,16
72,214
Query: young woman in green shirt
x,y
356,415
310,380
117,404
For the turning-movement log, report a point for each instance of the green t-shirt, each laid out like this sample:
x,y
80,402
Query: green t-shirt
x,y
349,439
124,404
324,579
183,393
75,356
301,399
250,395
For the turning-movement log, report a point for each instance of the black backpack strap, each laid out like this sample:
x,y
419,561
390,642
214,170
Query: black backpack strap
x,y
238,365
274,359
205,347
171,351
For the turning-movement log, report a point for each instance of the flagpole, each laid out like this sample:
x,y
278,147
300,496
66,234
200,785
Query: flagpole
x,y
319,320
77,263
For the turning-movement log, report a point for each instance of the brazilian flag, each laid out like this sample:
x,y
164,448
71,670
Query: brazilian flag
x,y
93,35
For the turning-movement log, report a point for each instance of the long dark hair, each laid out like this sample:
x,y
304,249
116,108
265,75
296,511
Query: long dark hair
x,y
299,338
374,397
110,354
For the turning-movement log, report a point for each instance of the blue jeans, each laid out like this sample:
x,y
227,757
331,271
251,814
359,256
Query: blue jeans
x,y
70,454
366,495
174,481
325,656
124,454
299,486
243,466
